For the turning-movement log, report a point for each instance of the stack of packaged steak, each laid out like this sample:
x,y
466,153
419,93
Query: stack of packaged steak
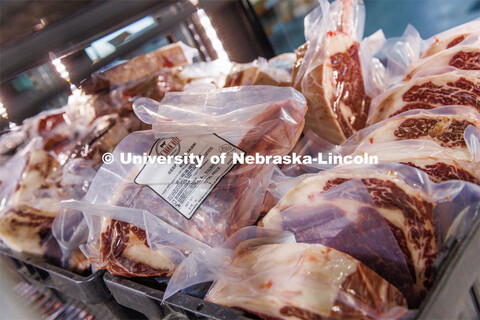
x,y
53,156
297,241
385,223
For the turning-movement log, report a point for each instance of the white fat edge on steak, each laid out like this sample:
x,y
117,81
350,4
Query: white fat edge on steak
x,y
442,59
387,105
444,39
313,185
385,131
420,154
42,171
17,235
319,88
304,276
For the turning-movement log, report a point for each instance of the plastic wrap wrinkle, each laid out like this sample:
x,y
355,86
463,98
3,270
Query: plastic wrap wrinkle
x,y
464,56
265,273
330,75
267,120
450,38
397,200
427,92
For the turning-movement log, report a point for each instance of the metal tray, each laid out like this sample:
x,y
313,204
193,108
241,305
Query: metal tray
x,y
88,289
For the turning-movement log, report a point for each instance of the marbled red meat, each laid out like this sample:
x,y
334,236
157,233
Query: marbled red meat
x,y
466,60
456,41
387,194
449,136
428,92
440,172
407,215
461,92
347,74
114,240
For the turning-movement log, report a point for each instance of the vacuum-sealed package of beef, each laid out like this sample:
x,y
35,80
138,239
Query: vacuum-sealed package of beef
x,y
444,142
428,89
450,38
267,274
463,56
429,157
175,54
331,74
444,126
207,200
400,55
259,72
52,168
398,210
12,169
52,126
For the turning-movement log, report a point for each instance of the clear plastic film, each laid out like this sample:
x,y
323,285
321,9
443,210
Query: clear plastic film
x,y
149,246
330,74
449,38
257,119
69,227
461,55
449,132
217,111
173,55
211,72
428,89
260,72
373,71
11,171
397,54
397,193
266,273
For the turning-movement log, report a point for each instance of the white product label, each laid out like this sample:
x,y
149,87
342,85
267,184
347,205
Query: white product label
x,y
192,174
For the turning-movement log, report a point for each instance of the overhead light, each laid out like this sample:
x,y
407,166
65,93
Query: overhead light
x,y
212,35
3,111
57,63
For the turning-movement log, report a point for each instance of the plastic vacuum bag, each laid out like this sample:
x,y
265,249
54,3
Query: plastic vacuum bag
x,y
131,242
450,38
245,120
397,53
429,157
461,56
211,72
450,132
175,54
11,171
428,89
399,193
331,74
266,273
69,227
258,72
444,126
